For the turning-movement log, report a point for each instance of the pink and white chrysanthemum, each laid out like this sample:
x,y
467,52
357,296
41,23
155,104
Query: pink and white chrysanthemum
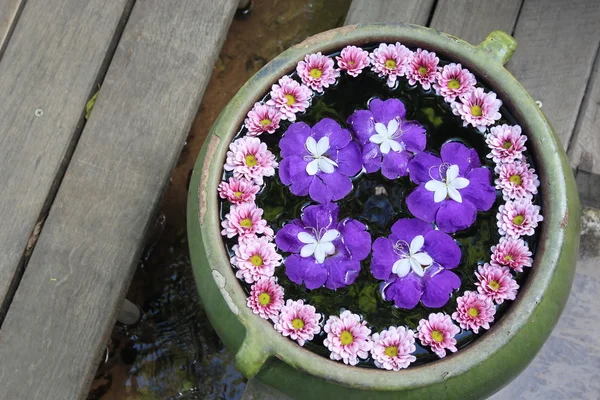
x,y
454,81
438,331
250,159
238,191
511,253
262,119
299,321
393,348
422,68
518,218
474,311
266,298
353,60
496,283
390,61
506,142
289,97
516,180
317,71
348,339
246,221
478,108
255,258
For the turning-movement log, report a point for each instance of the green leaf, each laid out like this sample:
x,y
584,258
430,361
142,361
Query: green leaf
x,y
90,104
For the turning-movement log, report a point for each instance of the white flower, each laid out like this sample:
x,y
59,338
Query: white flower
x,y
415,259
448,187
385,137
319,161
319,245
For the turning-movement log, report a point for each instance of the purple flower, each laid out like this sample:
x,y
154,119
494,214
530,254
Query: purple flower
x,y
451,188
414,261
387,140
319,161
325,251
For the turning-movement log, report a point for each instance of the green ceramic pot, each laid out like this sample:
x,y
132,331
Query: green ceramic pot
x,y
475,371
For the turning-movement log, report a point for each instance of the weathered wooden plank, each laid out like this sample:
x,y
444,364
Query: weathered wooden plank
x,y
557,44
51,64
408,11
473,20
9,11
584,149
66,304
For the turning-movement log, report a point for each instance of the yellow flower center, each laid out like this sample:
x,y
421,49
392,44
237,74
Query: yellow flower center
x,y
515,180
264,299
290,99
297,323
476,111
453,84
265,122
346,338
237,194
315,73
391,351
508,257
246,223
250,160
437,336
473,312
423,71
506,145
351,63
256,260
391,64
518,220
494,285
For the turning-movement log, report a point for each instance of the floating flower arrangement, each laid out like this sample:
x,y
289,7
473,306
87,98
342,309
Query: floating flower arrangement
x,y
379,206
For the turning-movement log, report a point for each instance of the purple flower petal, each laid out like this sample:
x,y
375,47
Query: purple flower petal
x,y
321,216
438,288
480,192
355,238
395,164
362,124
420,203
371,157
318,191
342,271
442,248
383,258
287,237
405,292
348,159
424,167
407,228
338,136
457,153
294,139
385,111
336,184
414,136
292,171
453,216
300,269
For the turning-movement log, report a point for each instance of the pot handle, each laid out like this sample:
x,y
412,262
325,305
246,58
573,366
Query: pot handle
x,y
499,46
252,354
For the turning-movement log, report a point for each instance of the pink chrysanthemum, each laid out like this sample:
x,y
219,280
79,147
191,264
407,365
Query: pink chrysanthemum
x,y
255,258
266,298
238,191
438,331
262,119
516,180
353,60
392,348
390,61
299,321
250,159
246,221
422,68
518,218
347,338
317,71
511,253
496,283
478,108
507,143
474,311
289,97
453,81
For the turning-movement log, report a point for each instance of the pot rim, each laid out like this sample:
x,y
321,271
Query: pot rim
x,y
486,62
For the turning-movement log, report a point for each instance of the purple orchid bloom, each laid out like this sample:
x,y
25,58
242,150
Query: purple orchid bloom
x,y
387,140
451,188
324,251
414,261
319,161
